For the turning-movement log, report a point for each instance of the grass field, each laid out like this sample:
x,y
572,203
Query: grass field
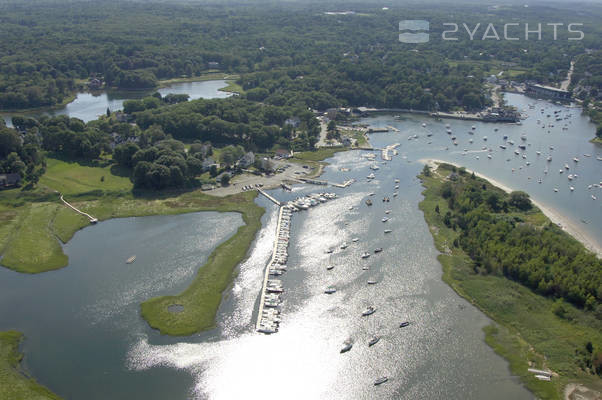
x,y
14,384
317,155
208,76
527,333
74,178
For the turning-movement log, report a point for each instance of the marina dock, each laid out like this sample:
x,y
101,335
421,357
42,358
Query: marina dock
x,y
268,314
319,182
385,152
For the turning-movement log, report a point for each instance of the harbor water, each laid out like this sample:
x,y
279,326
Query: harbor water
x,y
86,340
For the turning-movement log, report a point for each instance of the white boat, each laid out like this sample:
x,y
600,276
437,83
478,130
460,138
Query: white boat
x,y
396,180
329,267
365,255
378,250
572,188
372,282
388,231
380,380
424,125
330,290
373,340
371,176
387,211
344,245
576,159
130,260
566,166
549,159
374,167
368,311
555,189
474,127
354,240
385,219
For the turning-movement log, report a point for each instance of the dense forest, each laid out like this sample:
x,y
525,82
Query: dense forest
x,y
497,234
287,53
21,153
150,144
254,125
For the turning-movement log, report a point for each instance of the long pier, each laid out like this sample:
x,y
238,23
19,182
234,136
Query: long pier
x,y
91,218
320,182
267,321
269,197
268,314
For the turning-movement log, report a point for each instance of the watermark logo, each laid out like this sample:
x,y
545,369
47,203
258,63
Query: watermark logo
x,y
452,31
414,25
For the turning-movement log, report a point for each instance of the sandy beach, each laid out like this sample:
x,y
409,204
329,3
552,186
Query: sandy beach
x,y
565,223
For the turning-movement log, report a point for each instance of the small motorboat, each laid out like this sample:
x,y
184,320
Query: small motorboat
x,y
404,324
380,380
330,290
388,230
368,311
372,282
368,202
344,245
347,345
385,219
329,267
387,211
354,240
373,340
130,260
378,250
365,255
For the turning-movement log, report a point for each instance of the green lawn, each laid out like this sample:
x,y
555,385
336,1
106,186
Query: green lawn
x,y
74,178
527,332
14,383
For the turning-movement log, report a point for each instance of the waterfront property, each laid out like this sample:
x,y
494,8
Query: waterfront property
x,y
534,89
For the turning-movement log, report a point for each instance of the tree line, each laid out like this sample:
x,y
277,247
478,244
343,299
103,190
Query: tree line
x,y
495,231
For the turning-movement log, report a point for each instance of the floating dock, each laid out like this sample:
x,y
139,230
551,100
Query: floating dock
x,y
385,152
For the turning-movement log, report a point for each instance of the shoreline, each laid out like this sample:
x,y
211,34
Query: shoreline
x,y
565,223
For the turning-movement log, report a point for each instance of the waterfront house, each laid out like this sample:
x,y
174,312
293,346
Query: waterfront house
x,y
282,153
8,180
247,160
